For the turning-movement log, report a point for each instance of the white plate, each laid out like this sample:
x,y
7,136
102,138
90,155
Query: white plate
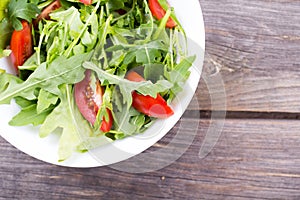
x,y
28,141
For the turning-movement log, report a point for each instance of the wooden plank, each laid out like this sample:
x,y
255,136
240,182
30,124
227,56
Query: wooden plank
x,y
253,159
255,47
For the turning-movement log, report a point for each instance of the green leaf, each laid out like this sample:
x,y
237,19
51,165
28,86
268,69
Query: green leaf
x,y
24,103
116,4
5,33
154,72
49,78
71,18
147,56
6,80
67,117
77,30
21,9
145,53
183,67
45,100
93,142
139,122
179,75
122,121
29,115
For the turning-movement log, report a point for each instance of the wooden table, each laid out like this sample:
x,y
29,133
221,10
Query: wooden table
x,y
255,47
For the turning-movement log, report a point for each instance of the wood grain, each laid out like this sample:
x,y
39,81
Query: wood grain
x,y
255,47
253,159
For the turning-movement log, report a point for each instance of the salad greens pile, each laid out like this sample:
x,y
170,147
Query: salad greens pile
x,y
108,37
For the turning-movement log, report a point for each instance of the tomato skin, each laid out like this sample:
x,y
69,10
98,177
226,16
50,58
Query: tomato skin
x,y
153,107
86,2
89,106
106,125
21,45
46,11
134,76
148,105
158,12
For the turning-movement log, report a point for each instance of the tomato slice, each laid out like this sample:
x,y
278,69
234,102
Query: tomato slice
x,y
153,107
21,45
158,12
87,2
45,14
89,102
51,7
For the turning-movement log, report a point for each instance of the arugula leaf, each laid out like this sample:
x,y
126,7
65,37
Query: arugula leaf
x,y
47,78
5,33
122,121
70,18
179,75
93,142
7,79
116,4
126,122
45,100
183,69
75,129
154,72
77,30
145,53
24,103
21,9
29,115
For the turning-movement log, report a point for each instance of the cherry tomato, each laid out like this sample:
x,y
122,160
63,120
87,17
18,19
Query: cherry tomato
x,y
153,107
87,2
89,102
21,45
158,12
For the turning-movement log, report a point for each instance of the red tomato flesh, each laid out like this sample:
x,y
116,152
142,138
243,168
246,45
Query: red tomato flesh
x,y
46,11
87,2
158,12
153,107
21,45
89,102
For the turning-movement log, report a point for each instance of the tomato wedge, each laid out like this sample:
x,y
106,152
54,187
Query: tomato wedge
x,y
158,12
153,107
89,102
46,12
21,45
51,7
87,2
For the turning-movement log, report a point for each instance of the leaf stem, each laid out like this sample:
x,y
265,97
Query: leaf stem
x,y
162,24
129,12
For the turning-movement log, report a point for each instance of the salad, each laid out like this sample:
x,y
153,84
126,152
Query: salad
x,y
94,71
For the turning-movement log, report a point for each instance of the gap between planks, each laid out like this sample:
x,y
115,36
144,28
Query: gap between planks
x,y
207,114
